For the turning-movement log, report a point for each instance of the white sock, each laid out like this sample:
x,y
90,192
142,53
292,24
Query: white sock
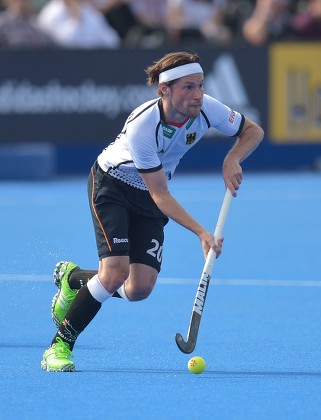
x,y
122,292
97,290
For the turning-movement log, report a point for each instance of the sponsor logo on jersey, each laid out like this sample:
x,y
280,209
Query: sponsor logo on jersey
x,y
232,117
190,138
120,240
168,131
190,122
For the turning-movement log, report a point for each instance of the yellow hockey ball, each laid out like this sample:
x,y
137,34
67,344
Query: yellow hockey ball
x,y
196,364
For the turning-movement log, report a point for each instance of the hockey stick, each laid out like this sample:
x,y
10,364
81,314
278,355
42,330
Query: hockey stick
x,y
189,345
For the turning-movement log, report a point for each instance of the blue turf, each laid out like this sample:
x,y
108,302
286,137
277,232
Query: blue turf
x,y
260,333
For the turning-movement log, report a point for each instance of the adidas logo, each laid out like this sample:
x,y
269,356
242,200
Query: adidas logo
x,y
225,84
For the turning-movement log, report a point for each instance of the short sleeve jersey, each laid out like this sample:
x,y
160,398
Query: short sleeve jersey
x,y
147,144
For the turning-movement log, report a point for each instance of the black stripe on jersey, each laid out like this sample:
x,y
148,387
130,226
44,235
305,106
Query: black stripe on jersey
x,y
156,132
206,119
239,131
145,171
143,110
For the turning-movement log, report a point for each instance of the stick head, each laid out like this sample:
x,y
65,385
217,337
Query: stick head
x,y
186,347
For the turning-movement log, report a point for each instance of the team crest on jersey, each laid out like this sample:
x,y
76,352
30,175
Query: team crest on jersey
x,y
190,138
168,131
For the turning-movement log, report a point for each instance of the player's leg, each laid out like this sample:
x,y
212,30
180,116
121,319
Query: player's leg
x,y
111,221
114,227
82,311
146,243
140,282
110,215
69,278
146,252
133,281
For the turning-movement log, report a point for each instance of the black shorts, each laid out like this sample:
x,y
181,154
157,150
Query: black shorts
x,y
126,220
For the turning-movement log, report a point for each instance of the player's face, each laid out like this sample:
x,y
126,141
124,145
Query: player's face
x,y
185,96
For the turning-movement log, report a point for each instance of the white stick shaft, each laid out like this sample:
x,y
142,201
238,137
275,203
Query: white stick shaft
x,y
211,257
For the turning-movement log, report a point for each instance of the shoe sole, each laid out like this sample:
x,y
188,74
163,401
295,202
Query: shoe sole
x,y
65,368
56,276
55,317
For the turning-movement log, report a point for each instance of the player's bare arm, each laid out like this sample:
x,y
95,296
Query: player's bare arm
x,y
250,137
157,186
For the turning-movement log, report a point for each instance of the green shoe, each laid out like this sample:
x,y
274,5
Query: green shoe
x,y
63,298
57,358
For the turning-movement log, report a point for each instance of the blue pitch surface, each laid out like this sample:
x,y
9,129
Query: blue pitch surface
x,y
260,333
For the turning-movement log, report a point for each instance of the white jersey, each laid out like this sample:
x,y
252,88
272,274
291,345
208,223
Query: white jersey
x,y
147,143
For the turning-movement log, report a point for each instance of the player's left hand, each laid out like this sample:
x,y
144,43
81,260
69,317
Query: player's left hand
x,y
233,175
218,247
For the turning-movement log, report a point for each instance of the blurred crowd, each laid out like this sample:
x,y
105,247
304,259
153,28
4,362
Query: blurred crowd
x,y
151,24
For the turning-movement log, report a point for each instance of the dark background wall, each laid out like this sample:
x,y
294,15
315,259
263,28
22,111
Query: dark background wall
x,y
59,109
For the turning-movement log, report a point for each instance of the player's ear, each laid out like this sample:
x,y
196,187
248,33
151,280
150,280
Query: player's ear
x,y
164,88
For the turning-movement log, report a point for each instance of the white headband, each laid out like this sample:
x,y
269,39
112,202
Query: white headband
x,y
180,71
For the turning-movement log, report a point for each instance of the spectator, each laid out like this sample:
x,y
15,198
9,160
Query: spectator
x,y
269,21
77,24
120,16
19,28
139,23
153,15
236,12
307,23
197,21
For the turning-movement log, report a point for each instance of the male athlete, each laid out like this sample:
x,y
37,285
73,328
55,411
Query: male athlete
x,y
130,201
